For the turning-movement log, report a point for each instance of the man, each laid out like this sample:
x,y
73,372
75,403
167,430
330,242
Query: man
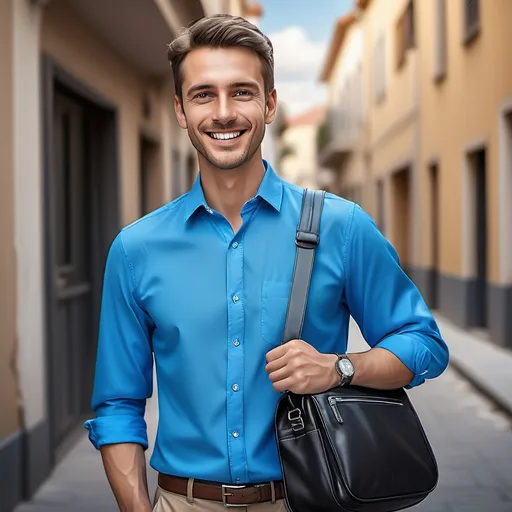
x,y
203,284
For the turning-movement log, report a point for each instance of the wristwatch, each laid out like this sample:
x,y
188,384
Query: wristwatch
x,y
345,369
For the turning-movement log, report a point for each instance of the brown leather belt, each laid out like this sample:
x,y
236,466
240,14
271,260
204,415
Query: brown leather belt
x,y
230,495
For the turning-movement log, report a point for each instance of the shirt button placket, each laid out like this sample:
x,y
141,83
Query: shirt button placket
x,y
235,377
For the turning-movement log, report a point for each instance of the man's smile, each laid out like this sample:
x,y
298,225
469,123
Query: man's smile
x,y
224,137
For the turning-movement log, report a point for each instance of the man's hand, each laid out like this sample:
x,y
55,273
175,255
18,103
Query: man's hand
x,y
298,367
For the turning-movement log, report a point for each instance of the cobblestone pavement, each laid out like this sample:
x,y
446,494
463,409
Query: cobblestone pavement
x,y
473,446
471,440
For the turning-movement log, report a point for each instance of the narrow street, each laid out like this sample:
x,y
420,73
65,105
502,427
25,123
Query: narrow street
x,y
471,439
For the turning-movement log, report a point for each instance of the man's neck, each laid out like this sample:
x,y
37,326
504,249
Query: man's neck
x,y
228,190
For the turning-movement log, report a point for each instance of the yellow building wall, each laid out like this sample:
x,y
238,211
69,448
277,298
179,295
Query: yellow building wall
x,y
9,420
301,166
463,108
393,113
391,132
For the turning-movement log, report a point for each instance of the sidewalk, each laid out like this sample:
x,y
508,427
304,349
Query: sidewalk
x,y
486,365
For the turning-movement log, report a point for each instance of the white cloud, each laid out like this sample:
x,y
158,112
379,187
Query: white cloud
x,y
298,62
298,96
295,55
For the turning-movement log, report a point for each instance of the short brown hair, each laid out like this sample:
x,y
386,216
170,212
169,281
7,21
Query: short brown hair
x,y
221,31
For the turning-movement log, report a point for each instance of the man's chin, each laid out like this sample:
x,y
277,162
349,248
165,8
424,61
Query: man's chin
x,y
228,161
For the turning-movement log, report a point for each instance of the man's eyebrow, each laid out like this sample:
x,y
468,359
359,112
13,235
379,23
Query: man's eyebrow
x,y
199,87
236,85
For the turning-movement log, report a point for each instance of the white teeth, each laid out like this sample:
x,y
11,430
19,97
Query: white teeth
x,y
225,136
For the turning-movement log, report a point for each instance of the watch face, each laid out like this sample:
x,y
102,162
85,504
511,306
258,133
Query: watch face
x,y
346,367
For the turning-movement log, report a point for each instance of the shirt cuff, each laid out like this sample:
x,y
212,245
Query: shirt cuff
x,y
114,429
413,355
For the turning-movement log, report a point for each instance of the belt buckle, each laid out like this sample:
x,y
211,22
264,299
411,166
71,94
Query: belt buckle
x,y
226,494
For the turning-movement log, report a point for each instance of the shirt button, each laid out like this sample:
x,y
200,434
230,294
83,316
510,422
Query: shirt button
x,y
236,343
235,298
234,387
235,434
234,245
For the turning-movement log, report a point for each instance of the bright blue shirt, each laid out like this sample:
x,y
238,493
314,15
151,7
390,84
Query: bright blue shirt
x,y
210,304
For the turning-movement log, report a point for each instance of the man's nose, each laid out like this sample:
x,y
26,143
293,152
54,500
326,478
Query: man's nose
x,y
225,111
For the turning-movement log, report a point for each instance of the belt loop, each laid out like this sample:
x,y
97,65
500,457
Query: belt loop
x,y
273,491
190,490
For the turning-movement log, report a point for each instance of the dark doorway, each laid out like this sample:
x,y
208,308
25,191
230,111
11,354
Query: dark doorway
x,y
480,238
149,188
81,219
191,169
434,233
176,174
401,205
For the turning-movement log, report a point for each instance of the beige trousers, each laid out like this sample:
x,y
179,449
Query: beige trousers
x,y
166,501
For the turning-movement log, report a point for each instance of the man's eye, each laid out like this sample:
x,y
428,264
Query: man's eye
x,y
243,93
202,95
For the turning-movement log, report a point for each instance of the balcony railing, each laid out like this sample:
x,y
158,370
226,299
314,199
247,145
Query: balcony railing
x,y
338,135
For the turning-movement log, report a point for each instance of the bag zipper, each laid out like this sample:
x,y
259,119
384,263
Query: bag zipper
x,y
333,401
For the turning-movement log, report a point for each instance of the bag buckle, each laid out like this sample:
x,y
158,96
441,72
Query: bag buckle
x,y
306,240
296,420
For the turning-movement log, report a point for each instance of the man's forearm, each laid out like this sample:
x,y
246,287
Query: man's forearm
x,y
377,368
125,466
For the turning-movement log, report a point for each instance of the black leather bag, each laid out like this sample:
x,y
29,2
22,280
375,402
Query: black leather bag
x,y
350,448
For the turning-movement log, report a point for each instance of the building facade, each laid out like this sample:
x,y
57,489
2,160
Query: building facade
x,y
438,146
466,162
299,163
88,143
341,139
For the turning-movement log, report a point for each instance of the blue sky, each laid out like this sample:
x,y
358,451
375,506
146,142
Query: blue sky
x,y
300,31
316,16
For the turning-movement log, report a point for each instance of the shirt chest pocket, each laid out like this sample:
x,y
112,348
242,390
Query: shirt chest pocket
x,y
274,304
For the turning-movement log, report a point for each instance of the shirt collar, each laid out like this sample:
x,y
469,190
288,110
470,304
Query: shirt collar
x,y
270,190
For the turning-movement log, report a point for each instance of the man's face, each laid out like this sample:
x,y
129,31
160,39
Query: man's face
x,y
224,107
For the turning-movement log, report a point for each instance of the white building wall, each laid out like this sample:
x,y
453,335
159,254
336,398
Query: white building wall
x,y
346,95
29,210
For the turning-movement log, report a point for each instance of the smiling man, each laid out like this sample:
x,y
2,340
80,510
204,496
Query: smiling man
x,y
202,284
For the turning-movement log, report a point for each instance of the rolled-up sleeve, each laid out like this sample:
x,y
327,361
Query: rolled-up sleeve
x,y
387,305
124,366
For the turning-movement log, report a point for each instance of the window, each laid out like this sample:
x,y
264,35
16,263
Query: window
x,y
471,20
379,68
440,41
381,206
405,34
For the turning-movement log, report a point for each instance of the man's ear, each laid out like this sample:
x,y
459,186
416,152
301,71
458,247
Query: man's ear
x,y
180,115
271,107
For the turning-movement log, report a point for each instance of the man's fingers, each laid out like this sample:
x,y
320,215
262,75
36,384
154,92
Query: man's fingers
x,y
276,353
293,346
276,364
280,374
283,385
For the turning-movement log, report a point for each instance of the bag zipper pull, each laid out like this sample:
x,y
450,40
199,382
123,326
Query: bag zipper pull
x,y
333,404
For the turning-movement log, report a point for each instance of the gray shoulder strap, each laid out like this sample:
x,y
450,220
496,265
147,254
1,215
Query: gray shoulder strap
x,y
307,239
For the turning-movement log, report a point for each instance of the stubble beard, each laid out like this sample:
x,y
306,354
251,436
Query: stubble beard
x,y
230,161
